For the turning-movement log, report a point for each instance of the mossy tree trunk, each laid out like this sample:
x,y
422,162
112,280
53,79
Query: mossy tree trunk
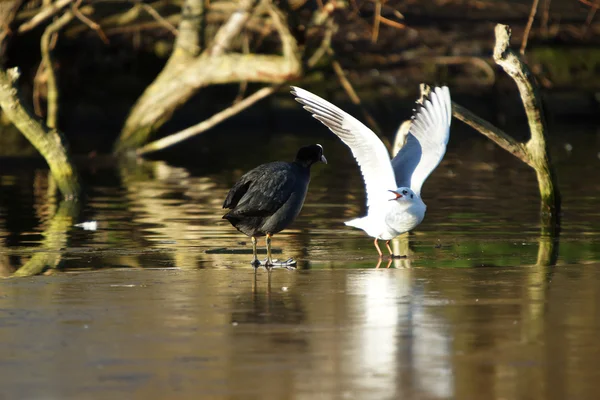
x,y
536,148
49,142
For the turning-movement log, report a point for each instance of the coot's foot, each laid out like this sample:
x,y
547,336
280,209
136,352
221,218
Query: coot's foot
x,y
290,263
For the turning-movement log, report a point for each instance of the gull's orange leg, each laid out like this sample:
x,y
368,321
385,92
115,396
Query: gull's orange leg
x,y
387,244
378,249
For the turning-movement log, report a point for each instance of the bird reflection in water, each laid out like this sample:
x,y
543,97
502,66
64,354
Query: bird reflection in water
x,y
265,305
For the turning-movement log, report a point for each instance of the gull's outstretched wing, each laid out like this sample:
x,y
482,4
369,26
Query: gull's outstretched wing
x,y
426,141
369,151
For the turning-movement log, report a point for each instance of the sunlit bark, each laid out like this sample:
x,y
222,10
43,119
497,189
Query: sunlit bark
x,y
49,142
186,73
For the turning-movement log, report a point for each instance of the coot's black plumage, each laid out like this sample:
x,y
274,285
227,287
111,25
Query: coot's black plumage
x,y
268,198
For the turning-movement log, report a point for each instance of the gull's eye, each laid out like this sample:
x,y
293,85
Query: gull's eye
x,y
405,192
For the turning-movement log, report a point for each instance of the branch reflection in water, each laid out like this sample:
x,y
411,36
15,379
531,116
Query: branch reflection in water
x,y
58,218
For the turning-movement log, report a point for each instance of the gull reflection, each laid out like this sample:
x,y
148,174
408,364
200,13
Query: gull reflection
x,y
402,348
431,353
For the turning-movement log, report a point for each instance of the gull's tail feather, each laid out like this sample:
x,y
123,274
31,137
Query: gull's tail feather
x,y
357,223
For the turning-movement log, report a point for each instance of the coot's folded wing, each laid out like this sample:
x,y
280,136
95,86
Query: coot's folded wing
x,y
261,191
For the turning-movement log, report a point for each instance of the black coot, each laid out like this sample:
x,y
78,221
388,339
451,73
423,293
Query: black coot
x,y
268,198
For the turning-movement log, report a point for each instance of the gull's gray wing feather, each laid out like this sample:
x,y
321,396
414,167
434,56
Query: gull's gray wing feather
x,y
426,141
369,151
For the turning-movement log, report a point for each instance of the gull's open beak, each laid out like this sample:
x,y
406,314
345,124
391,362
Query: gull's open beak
x,y
323,159
398,195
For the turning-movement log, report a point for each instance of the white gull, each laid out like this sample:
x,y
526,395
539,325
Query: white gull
x,y
393,186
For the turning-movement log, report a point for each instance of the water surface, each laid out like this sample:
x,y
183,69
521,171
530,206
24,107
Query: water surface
x,y
160,300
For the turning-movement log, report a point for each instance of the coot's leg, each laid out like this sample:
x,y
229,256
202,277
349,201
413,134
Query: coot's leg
x,y
387,244
269,262
255,262
378,249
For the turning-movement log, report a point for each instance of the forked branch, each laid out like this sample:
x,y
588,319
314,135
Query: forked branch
x,y
534,152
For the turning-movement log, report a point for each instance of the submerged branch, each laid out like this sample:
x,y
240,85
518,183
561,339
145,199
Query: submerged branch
x,y
50,143
55,240
493,133
536,148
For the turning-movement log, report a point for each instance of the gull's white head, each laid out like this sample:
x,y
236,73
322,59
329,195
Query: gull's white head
x,y
403,194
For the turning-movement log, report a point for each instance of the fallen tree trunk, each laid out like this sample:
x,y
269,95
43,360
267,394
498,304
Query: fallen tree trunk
x,y
188,69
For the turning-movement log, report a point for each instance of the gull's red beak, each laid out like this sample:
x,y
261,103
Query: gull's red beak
x,y
398,195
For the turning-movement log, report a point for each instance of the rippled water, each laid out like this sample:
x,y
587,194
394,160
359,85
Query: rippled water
x,y
161,302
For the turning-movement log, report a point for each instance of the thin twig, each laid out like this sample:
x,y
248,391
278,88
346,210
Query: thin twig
x,y
590,17
232,110
532,13
325,44
391,23
376,19
351,92
45,45
243,84
37,83
43,15
159,18
493,133
209,123
475,61
546,16
91,24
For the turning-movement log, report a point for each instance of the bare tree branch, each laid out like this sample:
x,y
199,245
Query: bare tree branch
x,y
91,24
337,68
45,44
159,18
209,123
493,133
231,28
236,108
43,15
376,19
532,13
